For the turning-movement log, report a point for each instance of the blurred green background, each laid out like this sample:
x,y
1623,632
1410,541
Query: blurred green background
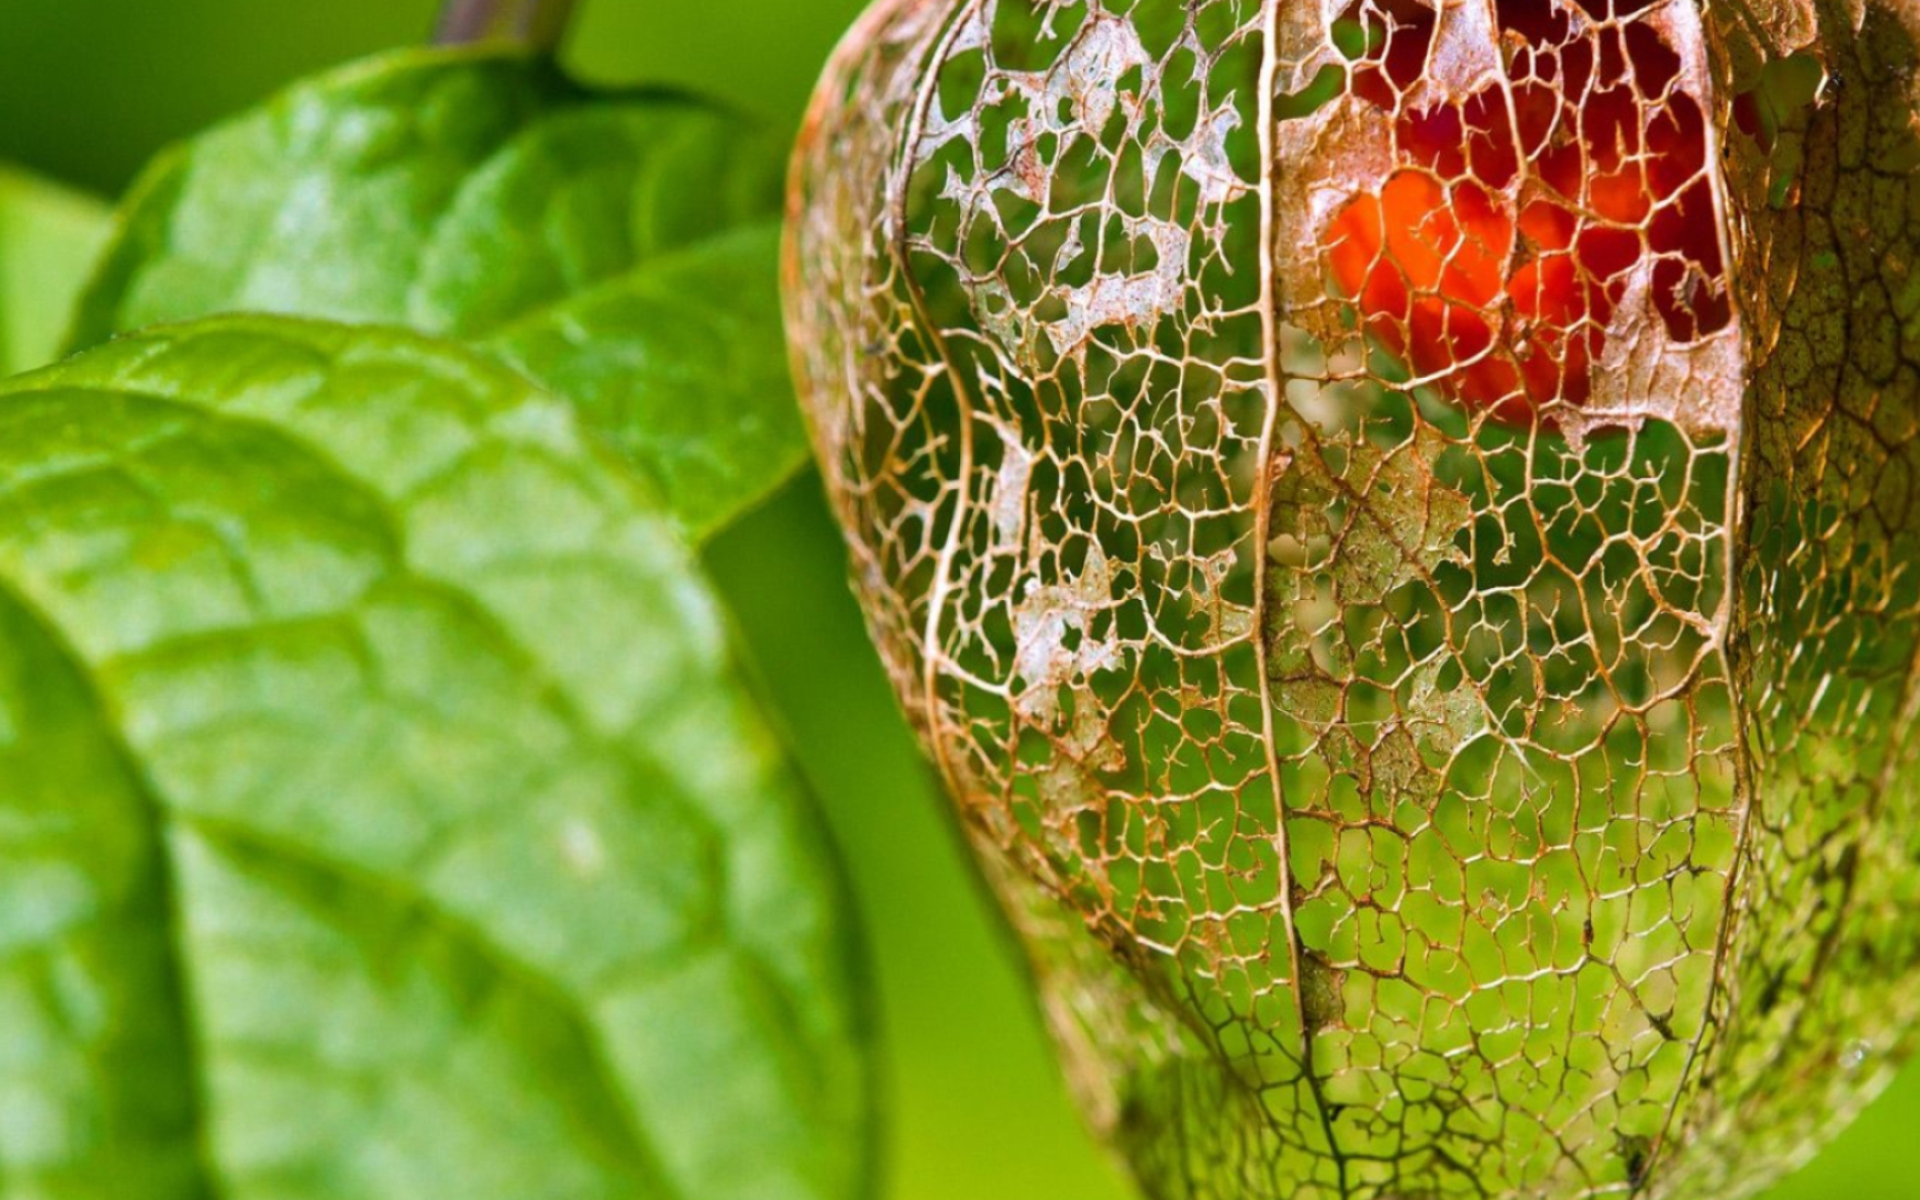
x,y
90,88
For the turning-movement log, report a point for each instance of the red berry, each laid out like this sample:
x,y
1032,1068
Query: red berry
x,y
1494,260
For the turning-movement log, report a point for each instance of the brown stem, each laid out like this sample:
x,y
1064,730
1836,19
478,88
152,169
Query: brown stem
x,y
536,24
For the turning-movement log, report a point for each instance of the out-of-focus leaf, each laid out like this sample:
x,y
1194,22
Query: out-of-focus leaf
x,y
470,193
381,817
49,238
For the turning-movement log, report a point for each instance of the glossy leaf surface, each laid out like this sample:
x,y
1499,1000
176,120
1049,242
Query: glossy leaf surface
x,y
383,817
480,195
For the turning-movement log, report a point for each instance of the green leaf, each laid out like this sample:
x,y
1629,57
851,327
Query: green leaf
x,y
479,194
49,238
379,814
450,191
672,362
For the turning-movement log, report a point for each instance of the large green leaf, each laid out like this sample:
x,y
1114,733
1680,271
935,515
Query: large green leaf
x,y
379,815
478,193
49,237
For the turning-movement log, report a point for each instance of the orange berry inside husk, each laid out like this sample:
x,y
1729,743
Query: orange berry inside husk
x,y
1494,259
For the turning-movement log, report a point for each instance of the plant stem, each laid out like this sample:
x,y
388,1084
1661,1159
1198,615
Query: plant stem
x,y
536,24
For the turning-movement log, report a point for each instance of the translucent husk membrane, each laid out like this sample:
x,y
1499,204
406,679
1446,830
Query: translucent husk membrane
x,y
1398,523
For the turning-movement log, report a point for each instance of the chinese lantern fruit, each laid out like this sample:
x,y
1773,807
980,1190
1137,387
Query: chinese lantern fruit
x,y
1399,523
